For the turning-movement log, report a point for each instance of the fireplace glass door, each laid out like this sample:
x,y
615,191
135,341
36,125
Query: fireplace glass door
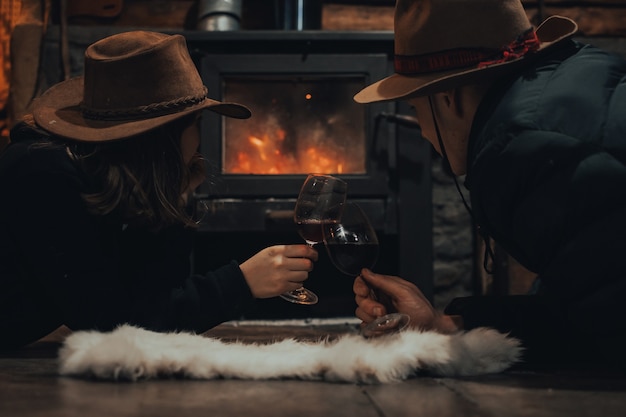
x,y
304,120
299,124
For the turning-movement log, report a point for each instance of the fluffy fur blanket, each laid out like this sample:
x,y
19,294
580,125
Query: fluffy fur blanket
x,y
131,353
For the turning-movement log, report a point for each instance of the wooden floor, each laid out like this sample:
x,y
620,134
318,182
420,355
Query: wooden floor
x,y
30,386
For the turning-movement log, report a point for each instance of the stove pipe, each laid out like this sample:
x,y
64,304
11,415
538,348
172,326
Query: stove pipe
x,y
219,15
301,14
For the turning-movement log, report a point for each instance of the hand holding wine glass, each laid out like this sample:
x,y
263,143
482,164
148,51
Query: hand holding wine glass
x,y
352,245
319,202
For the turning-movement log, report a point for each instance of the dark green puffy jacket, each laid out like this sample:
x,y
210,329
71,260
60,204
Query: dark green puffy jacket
x,y
547,180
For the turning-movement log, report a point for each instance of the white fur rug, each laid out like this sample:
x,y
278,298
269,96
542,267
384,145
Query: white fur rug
x,y
131,353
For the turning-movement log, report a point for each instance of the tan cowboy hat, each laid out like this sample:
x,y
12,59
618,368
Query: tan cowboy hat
x,y
133,82
442,44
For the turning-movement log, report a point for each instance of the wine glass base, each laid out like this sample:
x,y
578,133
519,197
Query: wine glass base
x,y
387,324
300,296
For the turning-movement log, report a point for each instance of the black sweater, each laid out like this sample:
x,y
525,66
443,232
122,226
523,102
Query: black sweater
x,y
61,265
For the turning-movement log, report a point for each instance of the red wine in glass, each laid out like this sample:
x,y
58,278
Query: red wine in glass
x,y
352,245
319,203
311,229
351,257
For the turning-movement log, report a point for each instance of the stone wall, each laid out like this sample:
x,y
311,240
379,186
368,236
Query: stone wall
x,y
453,238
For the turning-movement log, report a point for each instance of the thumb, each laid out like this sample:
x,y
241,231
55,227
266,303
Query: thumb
x,y
382,288
377,281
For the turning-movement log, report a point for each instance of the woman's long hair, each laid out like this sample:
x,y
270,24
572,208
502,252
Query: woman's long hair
x,y
140,178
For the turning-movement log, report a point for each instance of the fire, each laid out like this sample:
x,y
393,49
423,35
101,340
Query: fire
x,y
270,154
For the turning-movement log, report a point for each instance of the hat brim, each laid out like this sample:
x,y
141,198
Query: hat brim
x,y
398,86
58,112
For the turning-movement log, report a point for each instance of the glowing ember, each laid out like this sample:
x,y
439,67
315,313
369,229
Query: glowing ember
x,y
275,153
300,123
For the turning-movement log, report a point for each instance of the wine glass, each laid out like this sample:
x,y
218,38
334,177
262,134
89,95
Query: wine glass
x,y
352,245
319,202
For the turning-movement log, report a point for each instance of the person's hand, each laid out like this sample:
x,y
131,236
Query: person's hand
x,y
278,269
395,294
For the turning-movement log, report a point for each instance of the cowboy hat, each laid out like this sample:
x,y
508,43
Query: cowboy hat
x,y
133,82
442,44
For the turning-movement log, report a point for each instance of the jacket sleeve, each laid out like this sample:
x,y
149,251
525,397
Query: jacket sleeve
x,y
204,301
166,295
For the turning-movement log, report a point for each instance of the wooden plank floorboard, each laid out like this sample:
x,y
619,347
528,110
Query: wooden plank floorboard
x,y
31,387
539,394
422,397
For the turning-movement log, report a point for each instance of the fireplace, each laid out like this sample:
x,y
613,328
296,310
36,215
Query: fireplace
x,y
299,86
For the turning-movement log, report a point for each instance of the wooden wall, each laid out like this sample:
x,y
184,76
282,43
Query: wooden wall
x,y
595,17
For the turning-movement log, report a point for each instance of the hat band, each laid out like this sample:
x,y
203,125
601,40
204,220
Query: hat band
x,y
466,57
140,112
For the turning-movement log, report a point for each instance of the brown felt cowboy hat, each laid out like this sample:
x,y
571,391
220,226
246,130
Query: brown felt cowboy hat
x,y
442,44
133,82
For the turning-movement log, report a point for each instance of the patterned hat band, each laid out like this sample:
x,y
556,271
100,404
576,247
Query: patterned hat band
x,y
466,57
140,112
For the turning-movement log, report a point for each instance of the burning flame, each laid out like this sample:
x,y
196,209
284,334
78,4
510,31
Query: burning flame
x,y
301,124
268,154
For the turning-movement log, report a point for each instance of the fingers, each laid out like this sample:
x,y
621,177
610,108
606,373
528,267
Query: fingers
x,y
360,288
389,284
277,269
300,251
296,277
293,257
292,262
297,264
363,316
383,282
368,307
369,310
294,271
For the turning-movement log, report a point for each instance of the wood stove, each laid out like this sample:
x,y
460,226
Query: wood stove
x,y
299,86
